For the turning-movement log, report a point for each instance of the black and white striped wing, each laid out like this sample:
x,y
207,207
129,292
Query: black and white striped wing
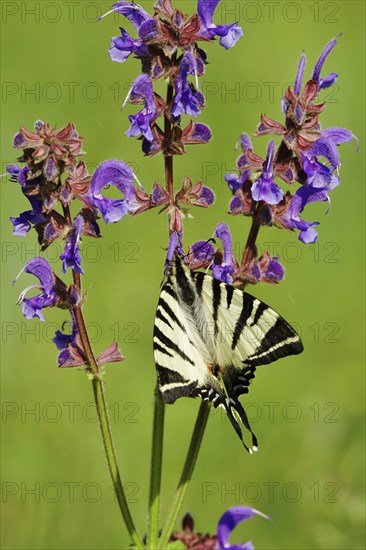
x,y
181,356
246,331
209,337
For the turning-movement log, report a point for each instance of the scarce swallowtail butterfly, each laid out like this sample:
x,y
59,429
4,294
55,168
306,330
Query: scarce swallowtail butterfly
x,y
209,337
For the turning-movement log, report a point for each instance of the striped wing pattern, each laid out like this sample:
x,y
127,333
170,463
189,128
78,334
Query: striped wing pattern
x,y
209,337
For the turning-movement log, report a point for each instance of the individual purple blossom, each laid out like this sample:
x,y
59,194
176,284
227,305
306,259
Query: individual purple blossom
x,y
274,272
71,352
300,74
332,77
26,219
32,307
227,523
337,135
229,34
142,90
24,222
71,255
123,46
118,174
235,181
201,253
71,349
17,174
175,245
187,100
264,188
223,272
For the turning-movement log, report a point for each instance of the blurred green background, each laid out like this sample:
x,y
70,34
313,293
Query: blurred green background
x,y
306,411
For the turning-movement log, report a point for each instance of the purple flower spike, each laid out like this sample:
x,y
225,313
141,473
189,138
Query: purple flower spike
x,y
223,272
229,34
227,523
32,306
187,100
117,173
142,90
264,188
71,255
300,74
330,79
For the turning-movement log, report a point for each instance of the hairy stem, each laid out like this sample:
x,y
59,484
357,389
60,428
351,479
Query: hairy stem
x,y
156,467
99,396
190,462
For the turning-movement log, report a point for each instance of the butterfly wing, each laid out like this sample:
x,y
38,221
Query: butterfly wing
x,y
181,355
209,337
246,333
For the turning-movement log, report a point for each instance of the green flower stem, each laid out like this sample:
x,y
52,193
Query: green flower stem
x,y
190,462
155,472
99,396
112,461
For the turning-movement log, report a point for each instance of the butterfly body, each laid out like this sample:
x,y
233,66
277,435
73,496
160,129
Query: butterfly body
x,y
209,337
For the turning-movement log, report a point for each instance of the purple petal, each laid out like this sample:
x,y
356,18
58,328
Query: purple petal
x,y
268,164
207,196
300,74
140,125
205,9
326,148
236,206
112,210
229,34
187,100
42,270
267,190
328,81
223,273
22,224
148,30
119,174
174,243
63,340
142,90
229,520
337,135
201,133
202,251
274,271
223,233
120,48
235,181
319,65
133,12
245,142
71,255
32,306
